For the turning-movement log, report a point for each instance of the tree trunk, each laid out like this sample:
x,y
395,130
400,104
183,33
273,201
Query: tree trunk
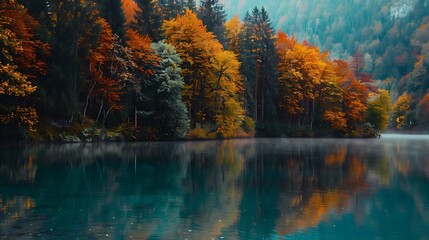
x,y
262,107
312,115
255,104
135,117
87,101
106,114
99,111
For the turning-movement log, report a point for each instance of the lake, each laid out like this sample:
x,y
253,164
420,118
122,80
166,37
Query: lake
x,y
232,189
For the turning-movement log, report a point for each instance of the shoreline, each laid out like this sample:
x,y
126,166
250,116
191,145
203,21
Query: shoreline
x,y
382,136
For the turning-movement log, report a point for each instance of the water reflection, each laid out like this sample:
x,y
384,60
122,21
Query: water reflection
x,y
235,189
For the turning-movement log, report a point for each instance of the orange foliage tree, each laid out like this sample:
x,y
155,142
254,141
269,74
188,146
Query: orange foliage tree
x,y
130,8
309,87
316,93
19,64
355,95
144,60
196,47
213,84
109,71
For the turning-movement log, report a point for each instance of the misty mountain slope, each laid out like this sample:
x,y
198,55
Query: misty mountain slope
x,y
381,30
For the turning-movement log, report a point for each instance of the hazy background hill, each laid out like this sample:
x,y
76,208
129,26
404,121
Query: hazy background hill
x,y
392,37
382,30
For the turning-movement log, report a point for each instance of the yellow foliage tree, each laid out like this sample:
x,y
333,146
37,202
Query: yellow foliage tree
x,y
213,84
19,64
227,87
401,109
233,29
196,46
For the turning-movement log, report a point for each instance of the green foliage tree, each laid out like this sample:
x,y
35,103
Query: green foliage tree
x,y
36,8
378,110
168,115
259,68
74,33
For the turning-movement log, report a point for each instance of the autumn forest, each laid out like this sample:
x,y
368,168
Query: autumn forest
x,y
94,70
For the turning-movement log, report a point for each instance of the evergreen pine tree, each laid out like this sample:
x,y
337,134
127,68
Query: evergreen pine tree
x,y
148,19
258,53
170,8
73,35
36,8
213,15
112,11
168,114
191,5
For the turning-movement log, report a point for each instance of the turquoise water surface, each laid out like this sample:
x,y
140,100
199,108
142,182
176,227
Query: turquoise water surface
x,y
232,189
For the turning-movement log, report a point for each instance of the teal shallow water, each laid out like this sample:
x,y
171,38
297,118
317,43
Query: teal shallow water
x,y
234,189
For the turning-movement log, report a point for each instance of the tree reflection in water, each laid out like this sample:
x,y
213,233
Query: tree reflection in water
x,y
239,189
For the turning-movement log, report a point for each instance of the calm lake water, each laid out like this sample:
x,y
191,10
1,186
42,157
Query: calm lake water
x,y
233,189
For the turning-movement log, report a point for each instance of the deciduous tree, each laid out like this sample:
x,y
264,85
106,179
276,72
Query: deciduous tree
x,y
145,61
196,47
233,28
226,92
110,69
423,112
378,110
401,111
19,65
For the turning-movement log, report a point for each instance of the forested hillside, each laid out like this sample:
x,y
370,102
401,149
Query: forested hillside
x,y
390,36
162,69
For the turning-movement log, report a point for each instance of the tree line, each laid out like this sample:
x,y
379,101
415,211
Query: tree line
x,y
156,70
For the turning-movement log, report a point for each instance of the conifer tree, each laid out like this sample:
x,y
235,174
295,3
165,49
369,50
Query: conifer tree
x,y
191,5
168,116
148,19
74,33
112,11
213,15
259,60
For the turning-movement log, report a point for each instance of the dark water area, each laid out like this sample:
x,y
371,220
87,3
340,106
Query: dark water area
x,y
232,189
